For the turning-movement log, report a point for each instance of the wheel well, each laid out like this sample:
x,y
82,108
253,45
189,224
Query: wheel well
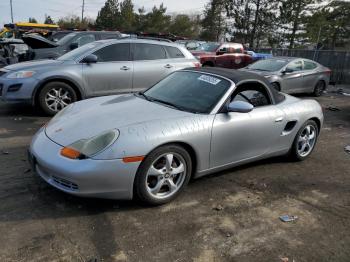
x,y
71,84
318,123
324,83
278,85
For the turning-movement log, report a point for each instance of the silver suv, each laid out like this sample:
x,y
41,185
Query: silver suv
x,y
100,68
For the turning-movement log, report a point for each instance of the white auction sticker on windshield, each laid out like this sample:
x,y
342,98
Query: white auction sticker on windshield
x,y
209,79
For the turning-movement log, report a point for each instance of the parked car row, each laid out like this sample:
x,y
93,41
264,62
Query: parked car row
x,y
108,67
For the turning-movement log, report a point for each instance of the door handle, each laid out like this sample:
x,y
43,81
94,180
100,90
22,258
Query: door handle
x,y
125,68
279,119
168,66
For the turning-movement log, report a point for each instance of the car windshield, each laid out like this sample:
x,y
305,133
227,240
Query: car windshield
x,y
76,53
208,47
194,92
66,38
268,65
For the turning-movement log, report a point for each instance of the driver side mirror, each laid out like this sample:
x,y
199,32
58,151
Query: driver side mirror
x,y
240,107
287,70
90,59
73,46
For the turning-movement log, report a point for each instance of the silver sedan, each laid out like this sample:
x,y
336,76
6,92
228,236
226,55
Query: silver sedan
x,y
192,123
293,75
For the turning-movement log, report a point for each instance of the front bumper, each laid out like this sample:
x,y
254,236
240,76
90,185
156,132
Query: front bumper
x,y
111,179
22,89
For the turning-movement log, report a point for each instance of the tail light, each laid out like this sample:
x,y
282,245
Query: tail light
x,y
197,64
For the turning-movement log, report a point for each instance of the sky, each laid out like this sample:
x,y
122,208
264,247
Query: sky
x,y
23,9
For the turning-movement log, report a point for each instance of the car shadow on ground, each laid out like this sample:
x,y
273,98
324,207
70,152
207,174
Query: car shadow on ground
x,y
20,109
18,200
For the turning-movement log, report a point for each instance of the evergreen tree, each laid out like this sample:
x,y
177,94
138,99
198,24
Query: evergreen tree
x,y
214,21
32,20
127,15
107,17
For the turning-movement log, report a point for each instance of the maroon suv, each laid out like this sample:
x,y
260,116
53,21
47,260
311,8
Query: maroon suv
x,y
228,55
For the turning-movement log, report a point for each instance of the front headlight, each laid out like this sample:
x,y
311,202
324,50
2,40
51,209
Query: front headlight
x,y
85,148
21,74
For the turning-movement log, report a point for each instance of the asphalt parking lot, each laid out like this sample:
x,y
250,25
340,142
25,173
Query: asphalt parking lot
x,y
228,216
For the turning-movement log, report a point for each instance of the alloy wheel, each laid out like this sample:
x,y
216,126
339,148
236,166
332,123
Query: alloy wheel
x,y
306,140
319,88
57,98
166,175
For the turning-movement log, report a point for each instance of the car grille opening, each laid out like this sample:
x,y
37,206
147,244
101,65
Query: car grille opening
x,y
65,183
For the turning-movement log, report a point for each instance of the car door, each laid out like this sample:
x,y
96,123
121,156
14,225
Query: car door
x,y
178,60
151,64
310,75
112,74
292,82
242,136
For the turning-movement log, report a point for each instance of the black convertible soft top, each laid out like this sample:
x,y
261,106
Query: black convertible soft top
x,y
237,76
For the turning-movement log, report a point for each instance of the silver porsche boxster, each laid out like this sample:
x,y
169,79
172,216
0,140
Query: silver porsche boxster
x,y
148,145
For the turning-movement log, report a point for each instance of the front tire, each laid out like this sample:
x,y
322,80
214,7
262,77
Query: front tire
x,y
305,141
163,175
55,96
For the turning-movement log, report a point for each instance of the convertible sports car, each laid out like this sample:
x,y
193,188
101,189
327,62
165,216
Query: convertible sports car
x,y
192,123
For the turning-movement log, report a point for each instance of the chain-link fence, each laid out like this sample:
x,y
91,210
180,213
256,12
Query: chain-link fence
x,y
337,61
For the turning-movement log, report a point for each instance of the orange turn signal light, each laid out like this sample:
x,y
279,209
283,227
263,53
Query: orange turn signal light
x,y
133,159
70,153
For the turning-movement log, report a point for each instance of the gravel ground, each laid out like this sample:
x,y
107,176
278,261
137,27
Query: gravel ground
x,y
228,216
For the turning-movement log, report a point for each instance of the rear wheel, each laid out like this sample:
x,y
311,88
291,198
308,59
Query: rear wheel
x,y
319,88
55,96
305,141
163,175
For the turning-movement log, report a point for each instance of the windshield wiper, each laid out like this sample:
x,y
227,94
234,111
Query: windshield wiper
x,y
258,69
143,95
172,105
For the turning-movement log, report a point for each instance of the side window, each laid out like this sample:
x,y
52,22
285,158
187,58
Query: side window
x,y
116,52
308,65
85,39
224,49
149,52
234,49
174,52
296,65
253,93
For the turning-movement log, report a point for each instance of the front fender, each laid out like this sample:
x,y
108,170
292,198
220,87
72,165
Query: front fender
x,y
141,139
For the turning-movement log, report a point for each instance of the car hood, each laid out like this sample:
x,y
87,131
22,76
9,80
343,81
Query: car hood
x,y
91,117
37,42
262,73
33,64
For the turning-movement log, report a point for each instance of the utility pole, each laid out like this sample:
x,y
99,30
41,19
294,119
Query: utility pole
x,y
82,11
11,11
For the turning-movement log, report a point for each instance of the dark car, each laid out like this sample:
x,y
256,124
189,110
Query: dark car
x,y
228,55
41,48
